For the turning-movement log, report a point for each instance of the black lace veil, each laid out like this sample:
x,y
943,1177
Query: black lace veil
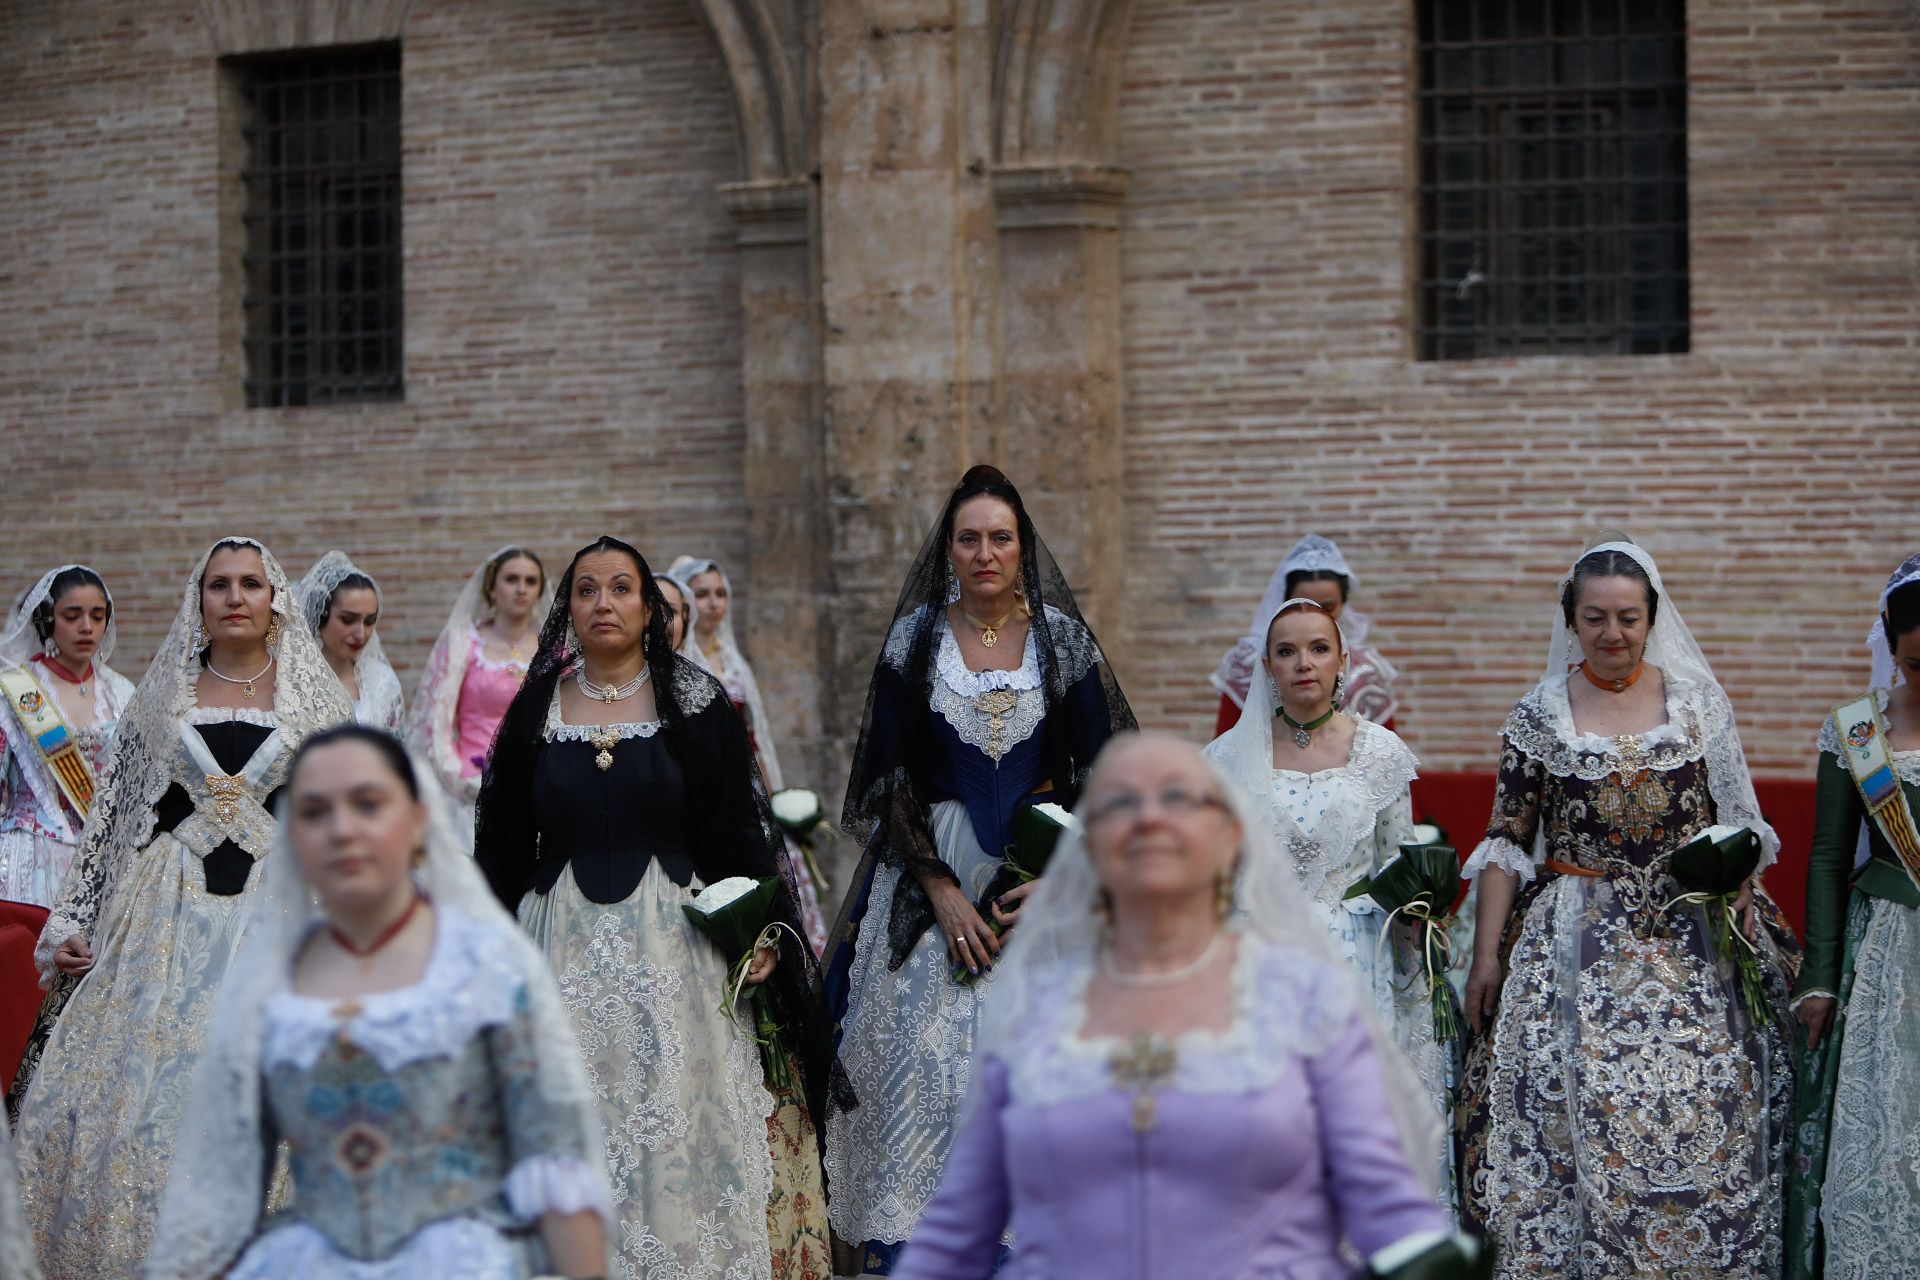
x,y
738,835
885,808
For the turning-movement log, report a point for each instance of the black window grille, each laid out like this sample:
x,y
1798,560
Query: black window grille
x,y
1553,188
322,218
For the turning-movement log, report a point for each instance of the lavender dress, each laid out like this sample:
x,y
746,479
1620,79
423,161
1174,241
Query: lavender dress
x,y
1271,1143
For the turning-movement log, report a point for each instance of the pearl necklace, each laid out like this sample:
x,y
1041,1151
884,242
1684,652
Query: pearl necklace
x,y
1114,974
610,692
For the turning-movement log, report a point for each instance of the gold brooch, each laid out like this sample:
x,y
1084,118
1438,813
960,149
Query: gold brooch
x,y
226,790
1143,1065
994,704
604,739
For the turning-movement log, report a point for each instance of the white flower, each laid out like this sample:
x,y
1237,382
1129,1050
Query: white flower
x,y
1058,814
722,892
796,807
1425,833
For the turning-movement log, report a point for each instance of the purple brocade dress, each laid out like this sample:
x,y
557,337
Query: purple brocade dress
x,y
1270,1144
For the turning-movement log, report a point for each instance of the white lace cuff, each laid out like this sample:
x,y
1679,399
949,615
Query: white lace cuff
x,y
55,931
1793,1005
1498,851
558,1184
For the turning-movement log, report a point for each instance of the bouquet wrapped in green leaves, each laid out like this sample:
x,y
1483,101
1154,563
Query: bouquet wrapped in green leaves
x,y
736,915
1712,869
804,820
1037,828
1457,1258
1420,886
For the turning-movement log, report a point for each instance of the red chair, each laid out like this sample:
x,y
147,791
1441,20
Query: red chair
x,y
20,993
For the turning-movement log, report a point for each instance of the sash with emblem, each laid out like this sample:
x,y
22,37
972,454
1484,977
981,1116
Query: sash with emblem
x,y
40,718
1864,734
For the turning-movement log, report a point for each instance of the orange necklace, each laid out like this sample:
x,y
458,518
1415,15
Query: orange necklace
x,y
1615,686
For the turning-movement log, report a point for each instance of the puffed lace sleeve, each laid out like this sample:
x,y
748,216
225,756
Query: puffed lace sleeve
x,y
552,1129
1516,816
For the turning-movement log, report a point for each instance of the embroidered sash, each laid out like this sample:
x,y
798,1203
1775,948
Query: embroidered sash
x,y
1863,733
40,718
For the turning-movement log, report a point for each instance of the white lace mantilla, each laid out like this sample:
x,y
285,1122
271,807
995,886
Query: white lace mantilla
x,y
1288,1005
469,984
1541,727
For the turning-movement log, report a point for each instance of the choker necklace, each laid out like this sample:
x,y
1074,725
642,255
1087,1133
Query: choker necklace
x,y
1119,978
1614,686
387,935
989,631
246,684
612,692
1303,733
61,673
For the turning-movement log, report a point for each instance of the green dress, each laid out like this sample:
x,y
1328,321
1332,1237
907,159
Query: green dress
x,y
1854,1181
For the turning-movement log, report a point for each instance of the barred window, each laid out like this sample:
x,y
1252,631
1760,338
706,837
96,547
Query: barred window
x,y
1553,188
321,262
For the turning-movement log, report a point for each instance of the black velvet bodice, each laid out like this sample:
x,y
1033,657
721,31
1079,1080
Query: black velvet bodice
x,y
232,743
611,824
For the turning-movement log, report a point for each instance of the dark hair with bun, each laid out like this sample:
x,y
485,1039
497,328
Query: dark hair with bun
x,y
1299,576
394,755
1902,613
64,581
352,582
1606,564
982,481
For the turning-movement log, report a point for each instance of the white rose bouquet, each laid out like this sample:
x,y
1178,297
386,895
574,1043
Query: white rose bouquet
x,y
736,914
804,820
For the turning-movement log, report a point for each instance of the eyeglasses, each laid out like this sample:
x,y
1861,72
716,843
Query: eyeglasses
x,y
1175,801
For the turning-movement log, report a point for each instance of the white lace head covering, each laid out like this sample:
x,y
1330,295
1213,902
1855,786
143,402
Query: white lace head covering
x,y
216,1187
19,641
430,725
306,697
689,648
1245,752
1885,673
1059,926
1673,650
315,592
1312,554
738,676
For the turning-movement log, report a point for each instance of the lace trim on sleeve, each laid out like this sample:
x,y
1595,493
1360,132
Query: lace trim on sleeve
x,y
1498,851
552,1183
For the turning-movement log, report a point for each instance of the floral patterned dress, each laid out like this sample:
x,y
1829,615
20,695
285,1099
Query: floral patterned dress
x,y
1620,1117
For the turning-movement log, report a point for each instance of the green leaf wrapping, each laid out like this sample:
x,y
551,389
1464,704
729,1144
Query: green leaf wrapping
x,y
1035,835
735,929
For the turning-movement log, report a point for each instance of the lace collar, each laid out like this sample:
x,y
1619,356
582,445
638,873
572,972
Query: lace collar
x,y
968,683
1287,1004
1379,762
480,659
1541,727
558,730
259,716
471,982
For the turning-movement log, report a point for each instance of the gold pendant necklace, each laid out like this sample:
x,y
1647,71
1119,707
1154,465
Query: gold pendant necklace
x,y
989,631
604,740
1143,1065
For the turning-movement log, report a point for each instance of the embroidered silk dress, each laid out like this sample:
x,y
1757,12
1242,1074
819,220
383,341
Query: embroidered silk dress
x,y
907,1035
1270,1144
420,1141
1620,1117
1335,827
682,1098
1855,1199
39,827
97,1121
485,694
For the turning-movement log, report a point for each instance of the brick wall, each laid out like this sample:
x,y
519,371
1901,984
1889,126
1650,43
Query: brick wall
x,y
572,347
1271,390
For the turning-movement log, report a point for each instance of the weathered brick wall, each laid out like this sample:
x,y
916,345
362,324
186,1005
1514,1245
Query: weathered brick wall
x,y
1271,390
572,347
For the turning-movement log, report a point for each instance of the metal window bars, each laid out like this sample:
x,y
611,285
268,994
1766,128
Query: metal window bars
x,y
1553,196
322,218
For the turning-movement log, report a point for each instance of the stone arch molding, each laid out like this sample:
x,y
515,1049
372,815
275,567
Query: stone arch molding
x,y
764,45
1056,81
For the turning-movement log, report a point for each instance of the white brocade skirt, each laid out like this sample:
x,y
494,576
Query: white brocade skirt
x,y
464,1247
33,867
907,1046
97,1126
1870,1201
682,1100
